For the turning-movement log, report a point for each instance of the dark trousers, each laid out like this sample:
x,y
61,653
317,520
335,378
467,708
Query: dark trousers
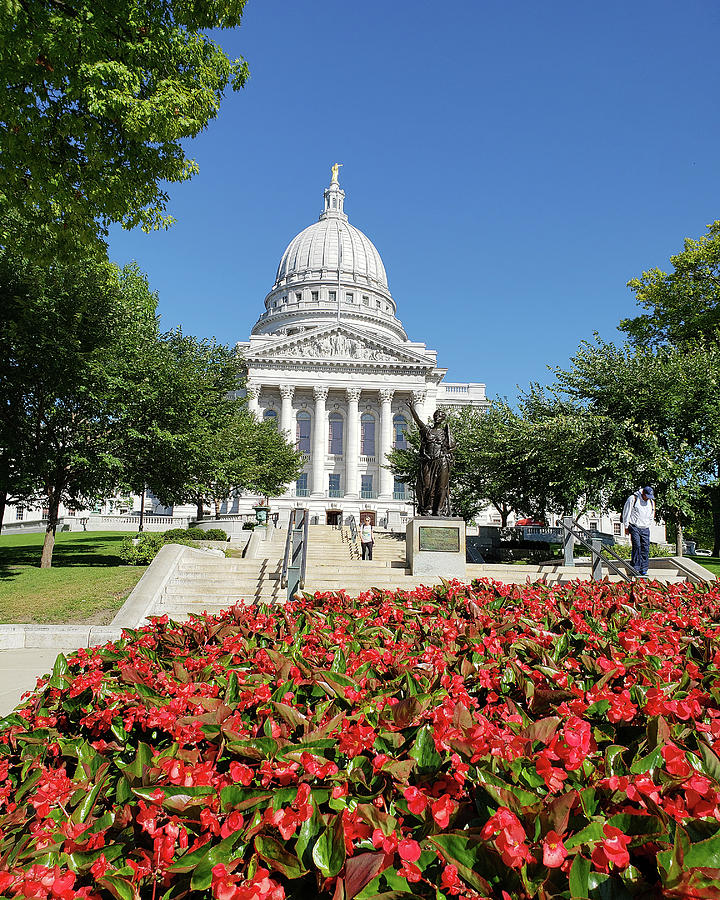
x,y
640,540
366,549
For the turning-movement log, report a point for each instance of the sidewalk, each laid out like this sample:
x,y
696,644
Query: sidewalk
x,y
19,672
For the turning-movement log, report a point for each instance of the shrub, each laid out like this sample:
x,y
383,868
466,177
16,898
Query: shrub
x,y
175,533
215,534
656,550
467,742
142,549
248,526
195,534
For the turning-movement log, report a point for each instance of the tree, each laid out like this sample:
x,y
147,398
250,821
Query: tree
x,y
684,305
662,422
97,99
684,313
178,402
71,334
188,434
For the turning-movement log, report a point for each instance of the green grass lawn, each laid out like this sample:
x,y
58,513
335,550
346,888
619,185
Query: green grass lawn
x,y
712,563
87,583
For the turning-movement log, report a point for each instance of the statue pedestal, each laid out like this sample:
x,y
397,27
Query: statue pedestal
x,y
436,546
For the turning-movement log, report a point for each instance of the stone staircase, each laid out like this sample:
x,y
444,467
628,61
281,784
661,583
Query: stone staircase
x,y
213,583
203,582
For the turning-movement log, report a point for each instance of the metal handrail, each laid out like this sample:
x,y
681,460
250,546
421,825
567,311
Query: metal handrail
x,y
303,558
353,537
286,555
579,534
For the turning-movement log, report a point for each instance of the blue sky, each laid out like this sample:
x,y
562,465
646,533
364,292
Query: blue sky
x,y
515,163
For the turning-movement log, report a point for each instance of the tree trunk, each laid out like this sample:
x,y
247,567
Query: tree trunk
x,y
217,507
200,509
3,504
142,510
678,536
715,506
49,542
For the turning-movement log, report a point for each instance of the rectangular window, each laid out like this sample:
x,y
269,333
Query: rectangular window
x,y
315,296
366,487
298,296
19,513
302,432
378,304
334,485
348,298
335,435
367,436
593,526
301,488
399,489
617,529
366,301
332,296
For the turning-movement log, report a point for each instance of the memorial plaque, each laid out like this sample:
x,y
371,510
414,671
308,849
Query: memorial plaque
x,y
443,540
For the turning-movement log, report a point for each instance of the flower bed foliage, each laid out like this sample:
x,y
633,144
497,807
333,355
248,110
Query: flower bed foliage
x,y
485,741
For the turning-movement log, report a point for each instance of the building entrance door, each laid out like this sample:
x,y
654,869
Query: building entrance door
x,y
364,514
334,517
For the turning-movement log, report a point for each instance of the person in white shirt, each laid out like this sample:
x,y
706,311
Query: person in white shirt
x,y
638,515
366,538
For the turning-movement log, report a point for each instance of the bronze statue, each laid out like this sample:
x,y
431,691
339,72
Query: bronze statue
x,y
432,489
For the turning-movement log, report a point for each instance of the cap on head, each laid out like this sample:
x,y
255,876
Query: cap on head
x,y
648,491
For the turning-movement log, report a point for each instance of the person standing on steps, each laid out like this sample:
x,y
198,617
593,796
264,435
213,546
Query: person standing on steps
x,y
638,515
366,538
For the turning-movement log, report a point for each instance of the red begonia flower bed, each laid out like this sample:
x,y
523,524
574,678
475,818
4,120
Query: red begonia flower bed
x,y
485,741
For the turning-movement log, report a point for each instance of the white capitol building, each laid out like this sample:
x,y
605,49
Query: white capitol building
x,y
331,363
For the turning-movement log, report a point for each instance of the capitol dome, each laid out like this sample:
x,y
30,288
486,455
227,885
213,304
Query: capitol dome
x,y
316,249
330,271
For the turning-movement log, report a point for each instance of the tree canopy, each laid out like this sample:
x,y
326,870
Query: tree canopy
x,y
97,99
683,305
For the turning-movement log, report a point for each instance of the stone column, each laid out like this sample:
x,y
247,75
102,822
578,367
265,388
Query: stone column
x,y
253,393
386,417
352,445
286,416
419,401
319,488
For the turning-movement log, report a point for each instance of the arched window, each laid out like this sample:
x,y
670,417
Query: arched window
x,y
302,431
367,434
335,434
270,415
399,426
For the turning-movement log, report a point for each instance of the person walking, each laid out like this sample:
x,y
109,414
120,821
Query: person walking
x,y
638,515
366,538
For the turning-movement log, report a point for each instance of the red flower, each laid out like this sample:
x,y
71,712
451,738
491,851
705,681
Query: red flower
x,y
442,809
552,776
613,850
675,760
241,773
554,852
409,850
416,800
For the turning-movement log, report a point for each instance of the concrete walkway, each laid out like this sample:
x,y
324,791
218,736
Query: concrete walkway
x,y
19,672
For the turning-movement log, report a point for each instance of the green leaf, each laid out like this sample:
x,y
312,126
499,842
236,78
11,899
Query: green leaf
x,y
120,888
280,859
309,831
424,752
60,671
329,850
578,880
471,856
220,853
591,834
644,764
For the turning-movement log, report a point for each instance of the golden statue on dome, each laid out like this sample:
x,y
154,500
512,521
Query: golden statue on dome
x,y
335,172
